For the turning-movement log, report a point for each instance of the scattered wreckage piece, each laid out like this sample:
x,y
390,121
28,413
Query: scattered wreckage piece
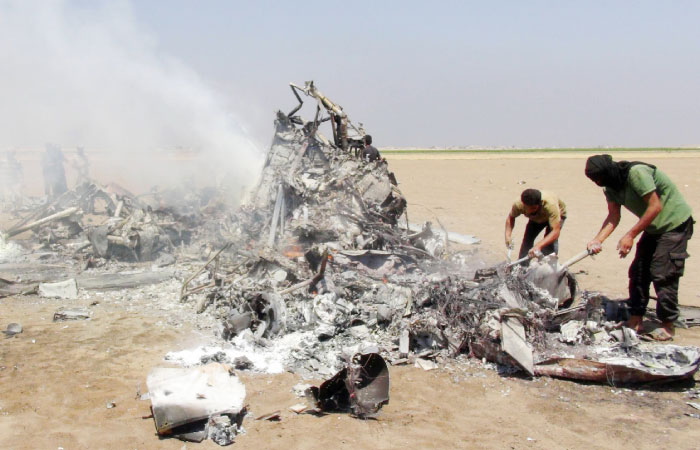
x,y
12,329
690,315
362,387
28,273
659,363
275,416
425,364
514,343
64,314
299,408
109,281
10,288
191,404
60,289
41,280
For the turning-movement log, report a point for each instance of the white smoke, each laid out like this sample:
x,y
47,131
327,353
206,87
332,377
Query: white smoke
x,y
86,74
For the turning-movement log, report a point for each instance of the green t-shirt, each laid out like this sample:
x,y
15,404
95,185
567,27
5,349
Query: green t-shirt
x,y
642,180
551,212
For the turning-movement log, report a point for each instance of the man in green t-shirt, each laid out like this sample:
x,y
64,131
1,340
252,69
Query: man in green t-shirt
x,y
666,224
544,210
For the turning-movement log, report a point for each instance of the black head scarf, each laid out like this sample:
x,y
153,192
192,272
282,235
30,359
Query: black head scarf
x,y
602,170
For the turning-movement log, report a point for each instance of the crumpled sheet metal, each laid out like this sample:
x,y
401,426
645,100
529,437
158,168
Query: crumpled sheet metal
x,y
545,275
362,387
182,396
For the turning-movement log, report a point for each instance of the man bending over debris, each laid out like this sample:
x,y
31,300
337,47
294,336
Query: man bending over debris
x,y
370,152
545,210
667,225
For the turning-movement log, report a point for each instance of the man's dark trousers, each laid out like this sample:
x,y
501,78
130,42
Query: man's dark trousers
x,y
659,259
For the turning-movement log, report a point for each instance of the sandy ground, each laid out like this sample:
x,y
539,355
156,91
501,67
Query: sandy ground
x,y
56,378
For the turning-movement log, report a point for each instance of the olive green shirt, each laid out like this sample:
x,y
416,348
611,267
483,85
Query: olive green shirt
x,y
553,210
642,180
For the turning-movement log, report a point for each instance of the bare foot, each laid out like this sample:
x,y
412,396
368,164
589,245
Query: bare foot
x,y
669,328
635,323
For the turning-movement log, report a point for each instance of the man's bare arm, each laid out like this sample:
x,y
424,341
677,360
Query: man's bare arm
x,y
653,209
609,225
510,223
550,238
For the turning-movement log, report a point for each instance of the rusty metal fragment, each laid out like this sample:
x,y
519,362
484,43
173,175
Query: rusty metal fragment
x,y
617,373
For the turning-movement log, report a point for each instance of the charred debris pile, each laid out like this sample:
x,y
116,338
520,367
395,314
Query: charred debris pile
x,y
131,228
322,251
320,264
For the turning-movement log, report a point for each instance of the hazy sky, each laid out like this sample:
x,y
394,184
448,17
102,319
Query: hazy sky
x,y
523,73
422,73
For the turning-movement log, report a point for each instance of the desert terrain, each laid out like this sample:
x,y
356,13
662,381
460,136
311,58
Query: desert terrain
x,y
57,378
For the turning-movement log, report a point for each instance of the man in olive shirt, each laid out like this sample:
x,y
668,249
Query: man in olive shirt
x,y
544,210
666,224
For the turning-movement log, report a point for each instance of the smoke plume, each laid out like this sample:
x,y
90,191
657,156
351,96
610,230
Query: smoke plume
x,y
86,74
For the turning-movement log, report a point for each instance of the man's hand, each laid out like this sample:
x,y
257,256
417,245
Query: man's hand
x,y
509,243
625,245
535,252
595,247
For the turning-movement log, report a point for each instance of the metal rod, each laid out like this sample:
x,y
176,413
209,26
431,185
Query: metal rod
x,y
59,215
183,294
275,217
312,281
576,258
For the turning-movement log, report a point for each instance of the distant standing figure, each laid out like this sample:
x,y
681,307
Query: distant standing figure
x,y
15,179
10,179
82,167
370,152
54,173
545,210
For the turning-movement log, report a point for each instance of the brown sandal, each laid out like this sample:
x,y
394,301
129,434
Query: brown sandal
x,y
657,335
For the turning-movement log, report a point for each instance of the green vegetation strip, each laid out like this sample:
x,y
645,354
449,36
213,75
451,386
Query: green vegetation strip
x,y
542,150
